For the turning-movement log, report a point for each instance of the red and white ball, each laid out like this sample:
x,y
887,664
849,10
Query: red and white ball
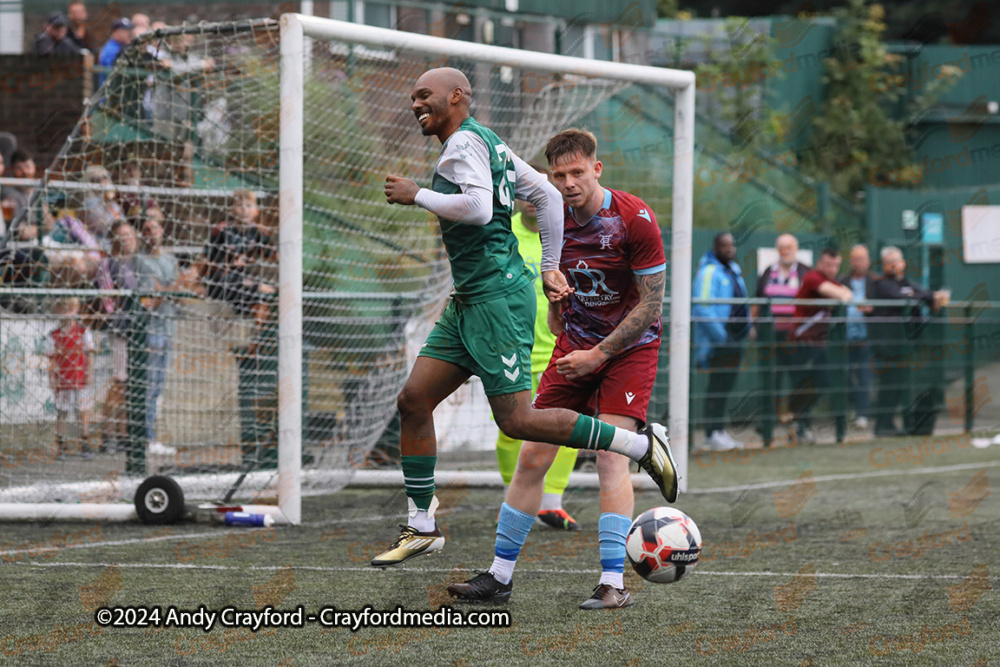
x,y
662,544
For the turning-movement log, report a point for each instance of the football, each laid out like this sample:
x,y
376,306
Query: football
x,y
662,544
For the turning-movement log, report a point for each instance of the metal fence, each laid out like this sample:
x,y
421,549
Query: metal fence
x,y
915,372
918,373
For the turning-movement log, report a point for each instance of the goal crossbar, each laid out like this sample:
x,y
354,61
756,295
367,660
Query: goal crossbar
x,y
295,29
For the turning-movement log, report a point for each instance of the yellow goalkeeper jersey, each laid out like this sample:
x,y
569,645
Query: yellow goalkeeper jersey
x,y
529,246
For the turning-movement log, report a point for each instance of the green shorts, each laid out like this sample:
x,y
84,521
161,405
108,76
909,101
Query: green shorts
x,y
491,339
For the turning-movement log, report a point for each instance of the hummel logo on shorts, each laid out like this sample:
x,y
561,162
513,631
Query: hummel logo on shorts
x,y
512,376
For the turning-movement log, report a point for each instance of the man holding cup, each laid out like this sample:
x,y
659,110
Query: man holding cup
x,y
889,335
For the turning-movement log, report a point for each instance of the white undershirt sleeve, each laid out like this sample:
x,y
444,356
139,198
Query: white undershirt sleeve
x,y
465,161
472,207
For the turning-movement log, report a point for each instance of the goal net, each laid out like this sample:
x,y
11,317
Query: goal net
x,y
254,321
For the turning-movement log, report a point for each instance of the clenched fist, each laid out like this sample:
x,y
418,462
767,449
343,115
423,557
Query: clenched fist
x,y
399,190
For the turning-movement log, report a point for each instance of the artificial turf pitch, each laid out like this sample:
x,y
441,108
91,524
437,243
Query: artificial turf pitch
x,y
878,552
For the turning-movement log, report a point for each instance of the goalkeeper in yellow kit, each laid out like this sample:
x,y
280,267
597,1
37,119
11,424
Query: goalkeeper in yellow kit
x,y
524,224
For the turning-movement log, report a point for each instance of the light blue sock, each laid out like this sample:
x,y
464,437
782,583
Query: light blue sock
x,y
512,531
611,532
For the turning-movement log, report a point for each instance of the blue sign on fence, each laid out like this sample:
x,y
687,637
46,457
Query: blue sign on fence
x,y
932,227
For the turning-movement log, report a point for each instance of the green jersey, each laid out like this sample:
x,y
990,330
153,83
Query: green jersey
x,y
530,247
485,263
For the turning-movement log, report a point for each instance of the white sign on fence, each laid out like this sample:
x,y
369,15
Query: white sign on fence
x,y
981,234
25,395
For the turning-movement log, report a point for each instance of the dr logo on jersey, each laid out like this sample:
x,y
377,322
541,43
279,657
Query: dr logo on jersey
x,y
595,276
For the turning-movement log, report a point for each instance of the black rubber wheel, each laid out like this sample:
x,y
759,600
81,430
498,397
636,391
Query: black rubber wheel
x,y
159,500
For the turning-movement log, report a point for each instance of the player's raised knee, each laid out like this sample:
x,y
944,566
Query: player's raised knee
x,y
412,401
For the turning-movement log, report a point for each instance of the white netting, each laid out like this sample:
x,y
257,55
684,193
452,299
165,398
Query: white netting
x,y
185,132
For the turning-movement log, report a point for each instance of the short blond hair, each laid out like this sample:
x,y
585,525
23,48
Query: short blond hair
x,y
66,305
243,194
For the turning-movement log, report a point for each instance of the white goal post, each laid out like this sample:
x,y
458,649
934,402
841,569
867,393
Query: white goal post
x,y
295,29
259,135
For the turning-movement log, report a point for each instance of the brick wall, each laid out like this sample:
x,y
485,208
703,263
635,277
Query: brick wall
x,y
41,98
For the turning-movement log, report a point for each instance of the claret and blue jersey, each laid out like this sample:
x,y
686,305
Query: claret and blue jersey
x,y
600,259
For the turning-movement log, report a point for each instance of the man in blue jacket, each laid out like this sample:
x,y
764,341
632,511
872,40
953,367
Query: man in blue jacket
x,y
719,330
121,36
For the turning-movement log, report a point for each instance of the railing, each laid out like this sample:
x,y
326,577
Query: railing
x,y
937,364
918,366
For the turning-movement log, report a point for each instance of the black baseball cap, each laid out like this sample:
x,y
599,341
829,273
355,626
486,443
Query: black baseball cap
x,y
58,20
121,23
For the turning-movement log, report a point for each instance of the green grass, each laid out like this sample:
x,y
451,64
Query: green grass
x,y
728,605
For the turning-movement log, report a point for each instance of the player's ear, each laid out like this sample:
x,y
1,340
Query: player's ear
x,y
598,167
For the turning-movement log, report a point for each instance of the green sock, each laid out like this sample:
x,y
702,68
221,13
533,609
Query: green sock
x,y
418,475
591,434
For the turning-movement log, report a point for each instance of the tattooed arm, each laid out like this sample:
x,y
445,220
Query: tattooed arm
x,y
650,306
583,362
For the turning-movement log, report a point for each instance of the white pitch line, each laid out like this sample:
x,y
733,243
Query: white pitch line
x,y
118,543
438,570
220,535
721,489
850,476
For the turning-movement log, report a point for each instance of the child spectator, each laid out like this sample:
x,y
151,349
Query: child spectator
x,y
70,349
101,210
233,245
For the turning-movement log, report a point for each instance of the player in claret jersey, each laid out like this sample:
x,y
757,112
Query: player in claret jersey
x,y
487,328
604,361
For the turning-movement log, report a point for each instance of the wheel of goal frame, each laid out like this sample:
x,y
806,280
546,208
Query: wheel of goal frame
x,y
159,501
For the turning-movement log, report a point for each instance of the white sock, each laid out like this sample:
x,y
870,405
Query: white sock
x,y
551,501
502,569
627,443
612,578
422,520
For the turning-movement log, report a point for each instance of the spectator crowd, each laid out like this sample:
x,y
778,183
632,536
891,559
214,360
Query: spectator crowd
x,y
801,333
107,237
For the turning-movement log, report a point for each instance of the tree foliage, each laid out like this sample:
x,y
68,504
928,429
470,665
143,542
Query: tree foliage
x,y
857,133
